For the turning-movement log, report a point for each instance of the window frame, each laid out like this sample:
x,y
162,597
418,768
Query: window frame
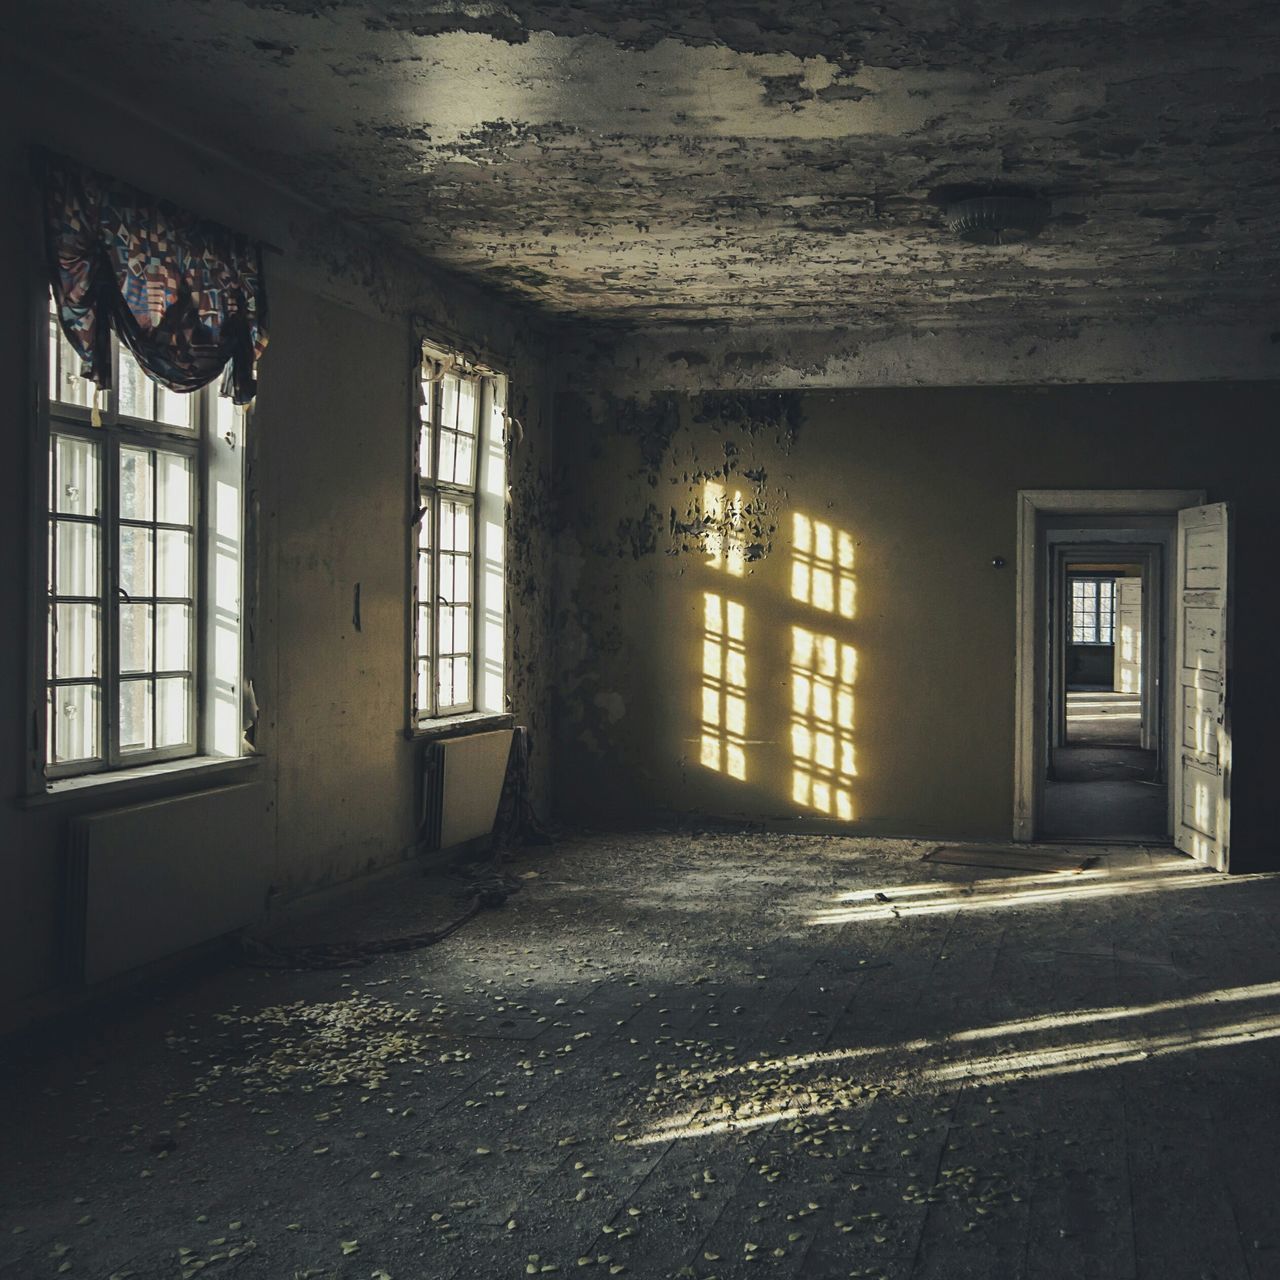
x,y
1094,614
432,364
196,442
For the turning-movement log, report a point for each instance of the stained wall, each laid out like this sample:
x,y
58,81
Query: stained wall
x,y
866,677
330,490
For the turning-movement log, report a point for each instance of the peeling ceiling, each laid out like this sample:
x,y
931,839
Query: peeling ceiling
x,y
764,163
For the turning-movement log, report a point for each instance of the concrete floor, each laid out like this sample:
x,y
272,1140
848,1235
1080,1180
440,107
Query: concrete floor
x,y
1105,793
691,1055
1104,717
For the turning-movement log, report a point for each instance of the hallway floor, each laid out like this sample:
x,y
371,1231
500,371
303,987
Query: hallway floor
x,y
676,1055
1105,793
1103,718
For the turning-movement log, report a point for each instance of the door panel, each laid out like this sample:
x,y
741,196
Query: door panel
x,y
1202,768
1128,627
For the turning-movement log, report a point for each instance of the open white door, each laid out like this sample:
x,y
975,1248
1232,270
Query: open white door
x,y
1202,741
1128,636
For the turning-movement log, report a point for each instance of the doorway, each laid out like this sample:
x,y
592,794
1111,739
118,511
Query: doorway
x,y
1104,775
1092,563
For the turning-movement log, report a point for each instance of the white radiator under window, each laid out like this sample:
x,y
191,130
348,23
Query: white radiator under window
x,y
461,786
150,880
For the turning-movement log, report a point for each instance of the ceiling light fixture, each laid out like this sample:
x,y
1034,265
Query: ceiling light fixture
x,y
997,219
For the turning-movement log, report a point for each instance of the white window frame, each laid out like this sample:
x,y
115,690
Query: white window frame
x,y
483,495
214,441
1093,618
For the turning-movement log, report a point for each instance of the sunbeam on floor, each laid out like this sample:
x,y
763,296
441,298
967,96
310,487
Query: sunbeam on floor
x,y
694,1056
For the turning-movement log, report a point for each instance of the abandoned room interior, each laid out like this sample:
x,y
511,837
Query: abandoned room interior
x,y
640,640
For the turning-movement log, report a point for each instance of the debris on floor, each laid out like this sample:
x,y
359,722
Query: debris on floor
x,y
723,1056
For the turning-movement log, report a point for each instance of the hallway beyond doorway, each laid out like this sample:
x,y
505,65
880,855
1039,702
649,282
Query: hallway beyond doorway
x,y
1096,717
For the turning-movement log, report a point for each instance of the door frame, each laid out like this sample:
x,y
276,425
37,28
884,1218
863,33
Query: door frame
x,y
1031,701
1151,557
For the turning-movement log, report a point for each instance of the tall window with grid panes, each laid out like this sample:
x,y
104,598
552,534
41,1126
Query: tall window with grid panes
x,y
459,549
1093,610
143,545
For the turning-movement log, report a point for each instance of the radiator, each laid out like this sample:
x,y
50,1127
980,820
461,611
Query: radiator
x,y
461,786
150,880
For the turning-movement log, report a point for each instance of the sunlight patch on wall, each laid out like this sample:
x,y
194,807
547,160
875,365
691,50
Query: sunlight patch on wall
x,y
822,676
822,566
723,517
724,686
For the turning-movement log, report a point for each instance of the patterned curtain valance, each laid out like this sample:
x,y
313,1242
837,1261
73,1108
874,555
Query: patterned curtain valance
x,y
184,294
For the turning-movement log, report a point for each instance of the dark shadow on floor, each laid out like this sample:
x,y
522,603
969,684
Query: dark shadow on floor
x,y
1104,793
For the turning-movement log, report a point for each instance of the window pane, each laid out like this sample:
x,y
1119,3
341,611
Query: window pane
x,y
75,641
173,407
464,461
76,554
74,713
444,682
455,526
136,484
455,578
135,560
455,622
173,563
461,681
448,454
424,631
67,386
135,638
74,476
424,685
173,491
173,710
134,390
424,451
449,400
424,575
173,637
468,407
135,715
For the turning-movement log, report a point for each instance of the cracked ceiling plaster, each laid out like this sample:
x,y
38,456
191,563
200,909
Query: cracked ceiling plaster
x,y
751,163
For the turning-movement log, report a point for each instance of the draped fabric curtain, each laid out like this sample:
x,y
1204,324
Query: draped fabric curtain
x,y
184,294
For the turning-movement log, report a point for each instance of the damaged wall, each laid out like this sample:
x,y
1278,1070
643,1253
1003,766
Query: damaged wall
x,y
331,486
780,606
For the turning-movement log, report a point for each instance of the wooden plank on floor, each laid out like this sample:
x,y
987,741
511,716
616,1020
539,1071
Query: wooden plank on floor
x,y
1008,858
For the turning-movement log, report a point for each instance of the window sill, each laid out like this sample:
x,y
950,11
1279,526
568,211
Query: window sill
x,y
457,726
144,782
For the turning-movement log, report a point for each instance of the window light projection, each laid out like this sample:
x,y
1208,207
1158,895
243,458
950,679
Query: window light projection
x,y
1054,890
822,676
724,520
796,1088
724,686
822,566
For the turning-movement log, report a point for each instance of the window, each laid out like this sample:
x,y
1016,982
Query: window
x,y
459,547
1093,610
142,543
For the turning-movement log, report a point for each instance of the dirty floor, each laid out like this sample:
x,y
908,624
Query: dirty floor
x,y
675,1055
